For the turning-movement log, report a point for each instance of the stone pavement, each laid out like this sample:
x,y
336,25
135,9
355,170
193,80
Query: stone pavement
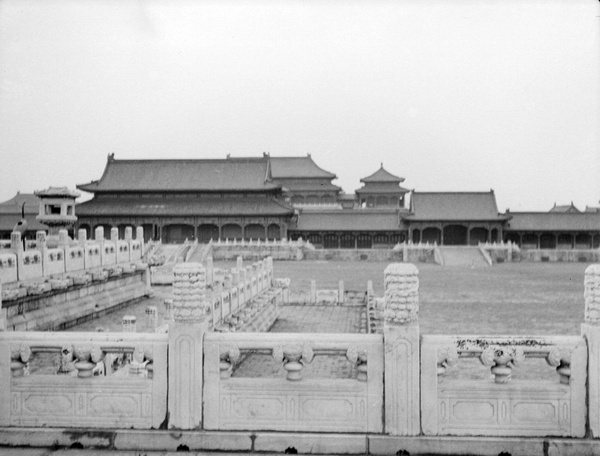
x,y
309,319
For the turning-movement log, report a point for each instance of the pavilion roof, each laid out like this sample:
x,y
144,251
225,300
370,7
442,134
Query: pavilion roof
x,y
297,167
380,188
382,175
187,175
554,221
349,220
183,206
454,206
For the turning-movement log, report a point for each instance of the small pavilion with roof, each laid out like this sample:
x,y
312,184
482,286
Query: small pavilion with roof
x,y
381,189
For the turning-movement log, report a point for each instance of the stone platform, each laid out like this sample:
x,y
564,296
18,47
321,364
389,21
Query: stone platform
x,y
80,442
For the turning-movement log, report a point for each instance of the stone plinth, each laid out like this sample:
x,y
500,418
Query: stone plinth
x,y
591,331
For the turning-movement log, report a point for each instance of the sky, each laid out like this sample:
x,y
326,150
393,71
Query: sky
x,y
452,95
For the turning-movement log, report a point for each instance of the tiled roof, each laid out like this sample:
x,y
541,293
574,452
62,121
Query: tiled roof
x,y
307,187
565,208
13,205
182,206
382,188
592,209
297,167
231,174
60,192
349,220
454,206
10,212
381,175
554,221
8,222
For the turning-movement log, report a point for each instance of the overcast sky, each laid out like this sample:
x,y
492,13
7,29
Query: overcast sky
x,y
449,94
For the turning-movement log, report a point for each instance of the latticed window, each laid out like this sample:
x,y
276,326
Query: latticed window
x,y
382,239
364,241
330,241
347,241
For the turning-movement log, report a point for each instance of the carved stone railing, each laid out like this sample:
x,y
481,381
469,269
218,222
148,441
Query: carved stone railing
x,y
506,403
290,401
133,397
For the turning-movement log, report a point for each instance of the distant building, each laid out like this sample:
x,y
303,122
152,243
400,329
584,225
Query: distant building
x,y
275,197
10,214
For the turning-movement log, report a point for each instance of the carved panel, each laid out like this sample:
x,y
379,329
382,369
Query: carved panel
x,y
517,410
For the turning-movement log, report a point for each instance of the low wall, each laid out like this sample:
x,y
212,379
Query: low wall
x,y
352,255
59,309
256,252
552,255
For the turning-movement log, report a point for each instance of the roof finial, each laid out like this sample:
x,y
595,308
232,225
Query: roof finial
x,y
111,157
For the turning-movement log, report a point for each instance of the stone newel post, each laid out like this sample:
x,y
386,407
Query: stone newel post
x,y
591,331
190,322
401,340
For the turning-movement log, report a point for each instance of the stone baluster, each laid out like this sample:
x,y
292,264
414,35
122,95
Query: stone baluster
x,y
313,291
128,233
341,292
402,353
63,238
99,234
235,277
141,362
358,355
81,237
229,355
561,359
502,360
190,322
447,357
87,356
114,234
294,357
168,303
129,324
19,357
152,317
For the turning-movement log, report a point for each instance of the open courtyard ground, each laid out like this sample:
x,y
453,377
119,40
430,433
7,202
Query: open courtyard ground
x,y
509,298
515,298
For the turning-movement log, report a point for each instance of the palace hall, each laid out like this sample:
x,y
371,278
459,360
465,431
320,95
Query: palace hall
x,y
267,197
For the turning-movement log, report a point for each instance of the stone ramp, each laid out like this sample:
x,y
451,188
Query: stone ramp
x,y
463,256
199,254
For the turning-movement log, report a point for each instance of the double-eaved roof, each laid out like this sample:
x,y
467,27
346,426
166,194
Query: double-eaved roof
x,y
454,206
137,207
185,175
382,182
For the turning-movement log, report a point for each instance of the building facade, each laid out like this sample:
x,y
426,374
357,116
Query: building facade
x,y
292,197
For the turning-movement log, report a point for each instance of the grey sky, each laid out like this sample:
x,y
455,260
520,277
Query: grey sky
x,y
451,95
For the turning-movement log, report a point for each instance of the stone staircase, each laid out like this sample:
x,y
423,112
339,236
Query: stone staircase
x,y
200,253
463,256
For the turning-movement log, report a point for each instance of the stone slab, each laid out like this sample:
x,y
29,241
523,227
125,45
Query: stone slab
x,y
194,441
311,443
488,446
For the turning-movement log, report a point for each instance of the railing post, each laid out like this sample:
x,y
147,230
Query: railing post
x,y
591,331
401,339
186,332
